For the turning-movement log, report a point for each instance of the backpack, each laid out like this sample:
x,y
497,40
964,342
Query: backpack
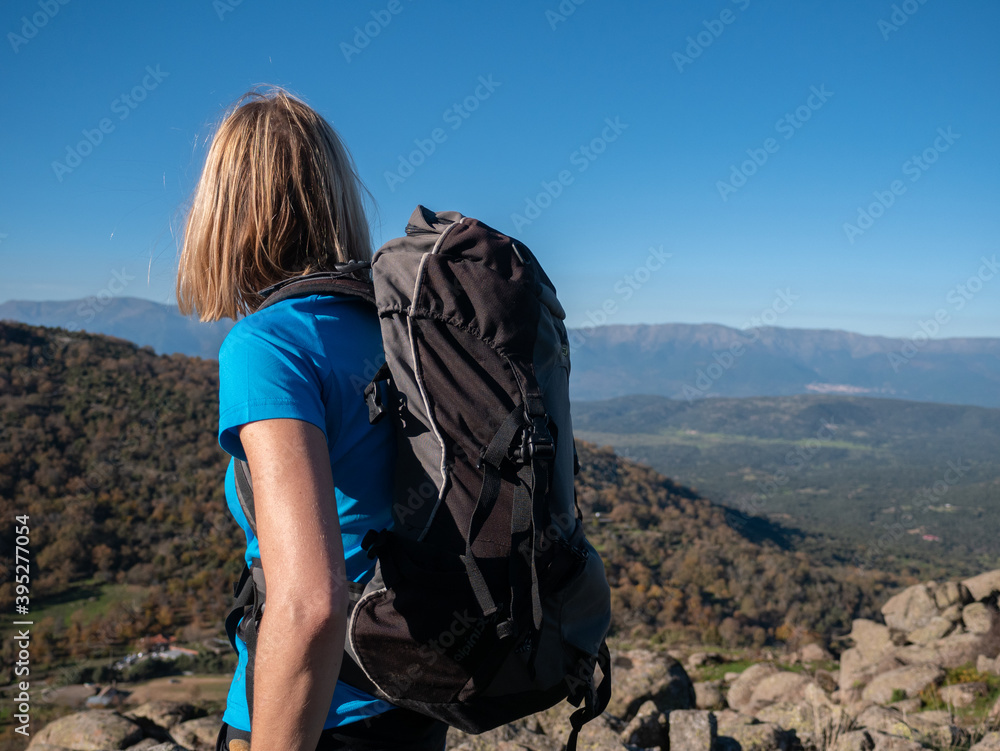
x,y
487,603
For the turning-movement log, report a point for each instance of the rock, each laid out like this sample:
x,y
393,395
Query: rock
x,y
806,719
855,740
741,690
641,676
778,687
947,594
952,651
164,714
885,742
885,720
872,640
989,742
911,609
197,735
166,747
826,680
814,653
94,730
995,711
931,717
947,736
147,743
935,629
708,695
739,732
692,729
963,694
908,706
984,585
988,665
911,679
978,618
953,613
698,659
648,729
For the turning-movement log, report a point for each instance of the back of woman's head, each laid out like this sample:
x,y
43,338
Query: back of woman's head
x,y
278,197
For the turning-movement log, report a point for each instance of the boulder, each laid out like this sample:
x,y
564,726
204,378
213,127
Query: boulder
x,y
988,665
979,618
778,687
855,672
641,676
741,733
989,742
197,735
94,730
648,729
953,613
981,587
935,629
692,729
814,653
963,694
741,690
872,640
885,742
947,594
826,680
908,706
952,651
855,740
147,743
911,609
886,720
911,679
808,720
164,714
708,695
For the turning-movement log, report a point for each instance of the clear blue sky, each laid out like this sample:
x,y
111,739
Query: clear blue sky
x,y
695,89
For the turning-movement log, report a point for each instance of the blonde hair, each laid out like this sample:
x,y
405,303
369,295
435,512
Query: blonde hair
x,y
279,197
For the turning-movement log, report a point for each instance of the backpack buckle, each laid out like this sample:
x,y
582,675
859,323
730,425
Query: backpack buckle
x,y
537,441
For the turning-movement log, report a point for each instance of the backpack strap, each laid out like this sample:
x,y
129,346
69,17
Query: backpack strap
x,y
596,699
342,281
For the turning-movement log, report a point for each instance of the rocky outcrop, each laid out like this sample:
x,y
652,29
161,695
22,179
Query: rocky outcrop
x,y
96,730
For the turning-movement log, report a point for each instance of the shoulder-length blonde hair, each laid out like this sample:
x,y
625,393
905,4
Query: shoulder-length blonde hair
x,y
279,197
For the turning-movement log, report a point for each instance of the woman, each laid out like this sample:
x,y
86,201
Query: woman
x,y
279,198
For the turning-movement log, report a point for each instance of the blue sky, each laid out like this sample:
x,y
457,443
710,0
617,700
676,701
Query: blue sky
x,y
696,162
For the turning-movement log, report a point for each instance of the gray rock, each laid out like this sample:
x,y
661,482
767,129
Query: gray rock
x,y
648,729
953,613
197,735
94,730
855,740
935,629
814,653
885,742
692,729
826,680
963,694
872,640
162,714
983,585
908,706
778,687
989,742
911,609
159,747
886,720
741,690
739,735
952,651
809,721
641,676
988,665
145,744
978,618
911,679
708,695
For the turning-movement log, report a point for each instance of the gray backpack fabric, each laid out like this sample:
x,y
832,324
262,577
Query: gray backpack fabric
x,y
487,603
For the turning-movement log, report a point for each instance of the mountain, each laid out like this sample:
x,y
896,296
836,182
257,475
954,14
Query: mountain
x,y
679,361
144,322
691,361
888,481
111,453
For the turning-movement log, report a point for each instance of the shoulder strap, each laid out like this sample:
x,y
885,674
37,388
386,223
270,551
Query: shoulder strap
x,y
339,282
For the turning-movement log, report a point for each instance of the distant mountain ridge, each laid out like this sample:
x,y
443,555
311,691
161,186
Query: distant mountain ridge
x,y
675,360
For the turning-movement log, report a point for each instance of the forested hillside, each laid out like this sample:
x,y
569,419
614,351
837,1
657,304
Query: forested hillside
x,y
111,451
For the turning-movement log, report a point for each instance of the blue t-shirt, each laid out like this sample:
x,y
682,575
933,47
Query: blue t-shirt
x,y
309,358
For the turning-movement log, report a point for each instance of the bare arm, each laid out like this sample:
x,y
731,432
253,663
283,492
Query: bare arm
x,y
301,639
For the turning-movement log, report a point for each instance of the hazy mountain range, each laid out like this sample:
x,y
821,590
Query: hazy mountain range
x,y
680,361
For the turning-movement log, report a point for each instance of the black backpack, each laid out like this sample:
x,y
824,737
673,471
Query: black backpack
x,y
487,603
